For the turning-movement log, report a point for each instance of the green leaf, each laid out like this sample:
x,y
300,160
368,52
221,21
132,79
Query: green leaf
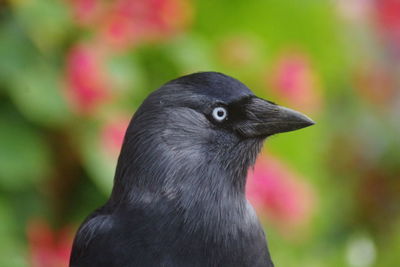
x,y
24,156
100,167
47,22
33,83
38,95
11,249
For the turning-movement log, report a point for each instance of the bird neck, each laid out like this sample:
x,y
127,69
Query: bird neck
x,y
150,165
205,190
186,179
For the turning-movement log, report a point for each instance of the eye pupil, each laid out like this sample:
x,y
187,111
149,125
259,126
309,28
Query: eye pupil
x,y
220,113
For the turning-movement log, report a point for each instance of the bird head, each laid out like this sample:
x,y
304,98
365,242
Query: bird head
x,y
203,122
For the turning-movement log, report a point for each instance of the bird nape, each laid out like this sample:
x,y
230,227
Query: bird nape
x,y
179,188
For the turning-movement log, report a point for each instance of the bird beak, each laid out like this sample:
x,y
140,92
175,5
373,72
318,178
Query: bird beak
x,y
264,118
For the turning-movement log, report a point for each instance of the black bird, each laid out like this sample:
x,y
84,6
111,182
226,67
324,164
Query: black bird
x,y
179,189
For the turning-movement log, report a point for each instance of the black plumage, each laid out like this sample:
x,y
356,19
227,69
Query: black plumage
x,y
179,189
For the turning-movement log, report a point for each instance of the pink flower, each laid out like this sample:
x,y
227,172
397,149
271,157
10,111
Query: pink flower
x,y
86,12
126,23
120,32
171,16
48,248
388,18
133,21
278,194
112,136
388,13
295,82
86,80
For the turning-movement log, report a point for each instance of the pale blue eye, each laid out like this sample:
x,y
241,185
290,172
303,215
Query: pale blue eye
x,y
219,113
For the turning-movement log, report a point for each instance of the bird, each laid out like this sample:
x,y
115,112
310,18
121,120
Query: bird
x,y
178,197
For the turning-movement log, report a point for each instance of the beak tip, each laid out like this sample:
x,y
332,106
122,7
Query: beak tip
x,y
297,120
308,122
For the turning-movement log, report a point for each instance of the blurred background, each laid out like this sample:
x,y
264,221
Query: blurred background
x,y
72,73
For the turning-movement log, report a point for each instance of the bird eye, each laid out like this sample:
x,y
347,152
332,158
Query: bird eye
x,y
219,113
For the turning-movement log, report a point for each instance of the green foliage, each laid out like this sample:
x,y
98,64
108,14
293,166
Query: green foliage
x,y
24,158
